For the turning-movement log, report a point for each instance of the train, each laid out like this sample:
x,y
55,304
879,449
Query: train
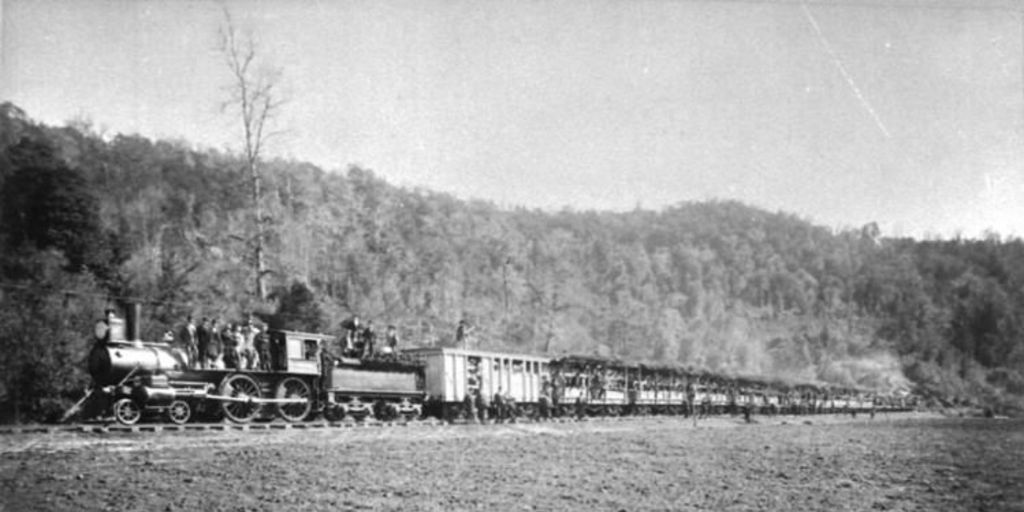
x,y
135,380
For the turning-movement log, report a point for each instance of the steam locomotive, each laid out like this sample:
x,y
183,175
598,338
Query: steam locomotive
x,y
138,378
134,379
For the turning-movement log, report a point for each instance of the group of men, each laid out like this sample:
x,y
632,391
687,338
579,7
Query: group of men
x,y
213,345
245,346
478,408
359,340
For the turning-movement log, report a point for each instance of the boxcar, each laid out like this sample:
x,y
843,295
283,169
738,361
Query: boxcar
x,y
450,374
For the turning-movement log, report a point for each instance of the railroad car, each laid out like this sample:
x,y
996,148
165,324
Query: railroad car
x,y
452,373
611,387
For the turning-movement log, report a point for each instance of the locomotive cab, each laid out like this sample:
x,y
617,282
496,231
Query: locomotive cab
x,y
296,352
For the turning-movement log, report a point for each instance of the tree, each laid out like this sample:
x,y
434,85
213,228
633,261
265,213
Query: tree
x,y
253,93
297,309
46,205
43,308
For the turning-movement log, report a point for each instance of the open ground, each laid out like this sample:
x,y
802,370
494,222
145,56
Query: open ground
x,y
898,462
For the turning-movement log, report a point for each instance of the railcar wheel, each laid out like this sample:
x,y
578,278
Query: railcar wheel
x,y
385,411
243,387
334,413
293,388
528,411
179,412
127,412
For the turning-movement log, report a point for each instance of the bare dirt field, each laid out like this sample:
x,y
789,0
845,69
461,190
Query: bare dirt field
x,y
910,462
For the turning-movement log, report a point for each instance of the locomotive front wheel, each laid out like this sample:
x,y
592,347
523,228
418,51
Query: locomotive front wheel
x,y
179,412
293,388
127,412
243,387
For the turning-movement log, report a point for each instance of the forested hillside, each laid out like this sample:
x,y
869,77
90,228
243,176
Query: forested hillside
x,y
89,221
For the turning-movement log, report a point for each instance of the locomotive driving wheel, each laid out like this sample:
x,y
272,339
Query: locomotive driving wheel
x,y
179,412
127,412
294,388
243,388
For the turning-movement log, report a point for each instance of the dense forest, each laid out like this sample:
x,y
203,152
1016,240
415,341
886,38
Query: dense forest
x,y
89,221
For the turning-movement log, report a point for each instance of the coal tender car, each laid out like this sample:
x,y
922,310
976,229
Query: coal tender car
x,y
133,379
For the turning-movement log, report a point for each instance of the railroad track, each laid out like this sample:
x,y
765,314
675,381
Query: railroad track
x,y
227,426
113,428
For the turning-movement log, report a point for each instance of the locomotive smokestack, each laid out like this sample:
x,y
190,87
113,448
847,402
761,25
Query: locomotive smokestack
x,y
133,312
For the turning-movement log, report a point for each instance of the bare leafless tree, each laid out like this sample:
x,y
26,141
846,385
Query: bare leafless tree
x,y
253,94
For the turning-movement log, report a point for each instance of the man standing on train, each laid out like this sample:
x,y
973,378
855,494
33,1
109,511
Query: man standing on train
x,y
351,329
368,340
390,340
248,346
203,343
462,332
188,343
104,327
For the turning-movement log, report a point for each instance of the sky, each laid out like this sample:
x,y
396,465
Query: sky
x,y
908,113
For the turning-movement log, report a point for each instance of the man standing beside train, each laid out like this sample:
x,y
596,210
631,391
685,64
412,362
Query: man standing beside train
x,y
499,406
469,407
483,405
